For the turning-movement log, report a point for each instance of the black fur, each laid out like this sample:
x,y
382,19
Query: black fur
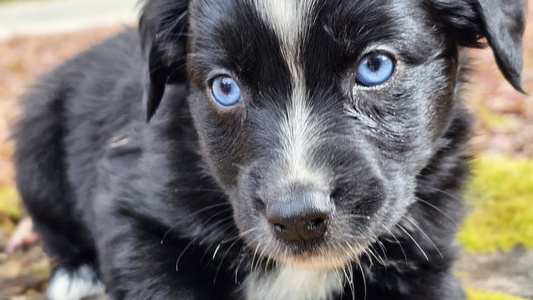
x,y
162,209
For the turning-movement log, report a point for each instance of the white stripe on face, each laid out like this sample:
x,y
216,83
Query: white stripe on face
x,y
290,20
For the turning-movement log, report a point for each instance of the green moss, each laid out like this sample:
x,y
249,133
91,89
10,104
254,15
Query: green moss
x,y
10,203
501,197
473,295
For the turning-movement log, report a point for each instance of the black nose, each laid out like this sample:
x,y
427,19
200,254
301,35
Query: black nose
x,y
300,217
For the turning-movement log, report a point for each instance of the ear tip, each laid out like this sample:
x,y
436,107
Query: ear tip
x,y
517,85
521,90
514,77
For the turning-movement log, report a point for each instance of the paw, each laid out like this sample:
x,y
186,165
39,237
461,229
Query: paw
x,y
74,283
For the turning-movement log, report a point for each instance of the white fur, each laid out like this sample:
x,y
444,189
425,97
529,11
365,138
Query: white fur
x,y
288,283
287,18
290,20
74,285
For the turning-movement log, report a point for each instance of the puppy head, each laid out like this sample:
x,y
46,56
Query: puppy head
x,y
316,116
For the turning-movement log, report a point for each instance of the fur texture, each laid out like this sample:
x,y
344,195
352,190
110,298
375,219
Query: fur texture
x,y
176,208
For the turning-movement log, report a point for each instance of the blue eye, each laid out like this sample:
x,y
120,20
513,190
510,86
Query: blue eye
x,y
226,91
375,69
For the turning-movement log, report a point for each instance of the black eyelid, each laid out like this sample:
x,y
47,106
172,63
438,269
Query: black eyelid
x,y
214,74
210,79
390,55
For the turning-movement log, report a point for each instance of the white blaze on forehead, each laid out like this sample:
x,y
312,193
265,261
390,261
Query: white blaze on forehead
x,y
290,20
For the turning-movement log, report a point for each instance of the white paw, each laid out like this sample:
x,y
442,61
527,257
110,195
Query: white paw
x,y
74,284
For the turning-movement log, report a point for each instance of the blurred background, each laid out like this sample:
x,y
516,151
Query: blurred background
x,y
496,238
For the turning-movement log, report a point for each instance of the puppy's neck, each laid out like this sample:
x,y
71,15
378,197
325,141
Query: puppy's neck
x,y
286,282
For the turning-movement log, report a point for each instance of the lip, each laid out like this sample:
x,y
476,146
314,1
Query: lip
x,y
302,247
324,260
314,256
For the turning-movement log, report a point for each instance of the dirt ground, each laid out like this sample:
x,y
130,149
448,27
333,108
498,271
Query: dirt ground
x,y
504,125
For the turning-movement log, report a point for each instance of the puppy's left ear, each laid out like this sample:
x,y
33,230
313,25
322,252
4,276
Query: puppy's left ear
x,y
163,28
504,23
501,22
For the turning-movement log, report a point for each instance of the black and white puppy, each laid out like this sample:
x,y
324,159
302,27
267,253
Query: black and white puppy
x,y
295,149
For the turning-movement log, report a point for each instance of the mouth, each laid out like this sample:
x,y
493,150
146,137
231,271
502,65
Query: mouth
x,y
318,255
325,260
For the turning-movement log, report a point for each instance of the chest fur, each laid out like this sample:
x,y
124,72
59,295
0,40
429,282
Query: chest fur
x,y
289,283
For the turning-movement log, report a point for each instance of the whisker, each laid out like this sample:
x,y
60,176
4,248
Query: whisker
x,y
253,258
261,257
363,275
217,214
444,192
217,235
397,241
350,281
223,258
239,264
437,209
223,240
223,224
414,241
182,253
378,259
425,234
383,249
369,257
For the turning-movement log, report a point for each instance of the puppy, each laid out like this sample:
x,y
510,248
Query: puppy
x,y
294,149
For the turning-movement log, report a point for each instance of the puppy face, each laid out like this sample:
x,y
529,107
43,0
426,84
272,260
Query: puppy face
x,y
316,116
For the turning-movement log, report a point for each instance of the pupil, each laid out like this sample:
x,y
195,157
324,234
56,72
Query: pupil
x,y
225,87
374,63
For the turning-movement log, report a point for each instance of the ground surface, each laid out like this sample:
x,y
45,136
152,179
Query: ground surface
x,y
54,16
504,127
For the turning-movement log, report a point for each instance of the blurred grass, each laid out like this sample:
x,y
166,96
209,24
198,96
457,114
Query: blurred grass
x,y
474,295
500,195
10,205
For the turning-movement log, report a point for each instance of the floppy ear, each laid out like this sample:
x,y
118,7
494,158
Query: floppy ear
x,y
501,22
504,24
163,29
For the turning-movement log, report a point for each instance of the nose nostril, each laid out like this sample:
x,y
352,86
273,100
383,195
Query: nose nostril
x,y
336,194
279,228
316,224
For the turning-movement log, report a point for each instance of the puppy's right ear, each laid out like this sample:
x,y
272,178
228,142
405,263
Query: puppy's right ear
x,y
163,28
501,22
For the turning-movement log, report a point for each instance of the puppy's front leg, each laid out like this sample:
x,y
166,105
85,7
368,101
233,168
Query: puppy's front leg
x,y
136,265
